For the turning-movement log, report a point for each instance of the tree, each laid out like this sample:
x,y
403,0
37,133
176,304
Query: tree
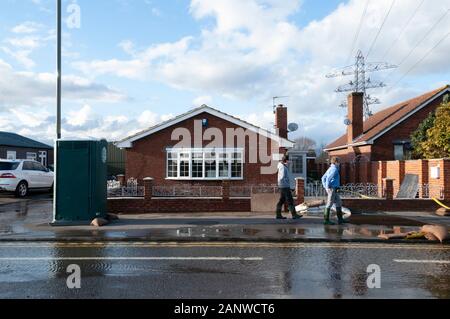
x,y
322,156
437,144
305,144
419,136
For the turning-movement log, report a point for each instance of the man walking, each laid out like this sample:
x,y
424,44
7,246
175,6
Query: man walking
x,y
285,184
331,181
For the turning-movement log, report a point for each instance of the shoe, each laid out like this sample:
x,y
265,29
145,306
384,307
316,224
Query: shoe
x,y
281,217
327,217
296,216
340,217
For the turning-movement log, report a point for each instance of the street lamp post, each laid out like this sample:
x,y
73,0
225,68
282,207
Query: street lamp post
x,y
58,65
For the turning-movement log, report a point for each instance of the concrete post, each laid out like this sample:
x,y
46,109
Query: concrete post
x,y
300,190
148,186
388,188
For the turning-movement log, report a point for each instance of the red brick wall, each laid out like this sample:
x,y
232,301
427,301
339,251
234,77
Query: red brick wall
x,y
176,205
375,172
148,156
383,148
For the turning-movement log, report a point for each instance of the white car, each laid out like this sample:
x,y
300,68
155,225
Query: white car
x,y
21,176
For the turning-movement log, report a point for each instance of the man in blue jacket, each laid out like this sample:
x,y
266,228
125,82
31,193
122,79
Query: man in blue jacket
x,y
286,185
331,181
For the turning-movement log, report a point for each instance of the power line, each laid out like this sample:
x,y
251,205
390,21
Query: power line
x,y
420,42
420,61
424,37
404,29
380,29
358,31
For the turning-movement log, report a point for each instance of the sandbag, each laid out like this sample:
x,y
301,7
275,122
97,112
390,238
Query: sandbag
x,y
438,231
99,222
431,237
394,236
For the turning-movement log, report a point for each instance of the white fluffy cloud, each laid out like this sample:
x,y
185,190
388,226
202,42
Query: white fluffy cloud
x,y
82,123
29,88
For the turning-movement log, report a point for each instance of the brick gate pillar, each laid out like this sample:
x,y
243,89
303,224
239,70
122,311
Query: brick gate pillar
x,y
300,190
148,187
388,188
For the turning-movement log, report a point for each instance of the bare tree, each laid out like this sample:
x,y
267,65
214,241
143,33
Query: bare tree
x,y
322,156
304,143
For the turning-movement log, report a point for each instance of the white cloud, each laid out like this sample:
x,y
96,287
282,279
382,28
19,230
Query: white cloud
x,y
80,117
29,88
27,27
200,100
81,123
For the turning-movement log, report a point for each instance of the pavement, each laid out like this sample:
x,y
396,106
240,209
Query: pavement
x,y
29,221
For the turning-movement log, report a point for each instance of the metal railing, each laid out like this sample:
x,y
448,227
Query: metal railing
x,y
431,191
185,191
359,190
353,190
247,191
132,189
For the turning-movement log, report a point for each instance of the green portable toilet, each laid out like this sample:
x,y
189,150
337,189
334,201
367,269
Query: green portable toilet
x,y
80,181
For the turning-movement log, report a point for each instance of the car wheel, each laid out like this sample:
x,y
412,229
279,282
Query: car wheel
x,y
22,189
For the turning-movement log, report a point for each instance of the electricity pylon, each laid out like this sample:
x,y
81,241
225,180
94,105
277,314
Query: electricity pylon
x,y
361,83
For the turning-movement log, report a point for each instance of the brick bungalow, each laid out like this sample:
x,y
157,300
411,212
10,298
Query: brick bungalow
x,y
385,136
156,152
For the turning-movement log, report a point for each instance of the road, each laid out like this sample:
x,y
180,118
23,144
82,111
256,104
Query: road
x,y
216,270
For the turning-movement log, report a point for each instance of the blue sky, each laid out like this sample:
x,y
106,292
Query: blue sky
x,y
133,63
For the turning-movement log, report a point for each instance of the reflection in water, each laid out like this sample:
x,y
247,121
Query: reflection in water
x,y
89,268
23,210
336,259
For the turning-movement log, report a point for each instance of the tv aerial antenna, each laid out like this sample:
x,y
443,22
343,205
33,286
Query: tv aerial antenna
x,y
275,98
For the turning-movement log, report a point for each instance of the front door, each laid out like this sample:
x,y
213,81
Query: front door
x,y
43,158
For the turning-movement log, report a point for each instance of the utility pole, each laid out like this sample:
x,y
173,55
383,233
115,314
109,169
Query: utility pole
x,y
361,83
58,67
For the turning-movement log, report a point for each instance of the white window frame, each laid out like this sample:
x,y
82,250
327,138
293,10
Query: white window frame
x,y
301,158
11,155
204,151
32,156
43,158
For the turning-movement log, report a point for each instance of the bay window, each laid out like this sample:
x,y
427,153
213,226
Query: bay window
x,y
205,164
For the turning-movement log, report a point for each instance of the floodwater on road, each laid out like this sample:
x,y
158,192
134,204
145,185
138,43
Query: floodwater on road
x,y
219,270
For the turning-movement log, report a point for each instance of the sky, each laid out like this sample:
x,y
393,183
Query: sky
x,y
130,64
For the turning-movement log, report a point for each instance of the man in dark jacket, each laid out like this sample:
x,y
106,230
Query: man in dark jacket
x,y
286,185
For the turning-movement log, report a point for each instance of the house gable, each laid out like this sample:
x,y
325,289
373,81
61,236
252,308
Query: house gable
x,y
128,142
385,120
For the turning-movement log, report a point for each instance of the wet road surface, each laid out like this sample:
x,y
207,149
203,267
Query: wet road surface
x,y
219,270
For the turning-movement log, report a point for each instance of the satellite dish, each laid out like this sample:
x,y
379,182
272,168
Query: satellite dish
x,y
293,127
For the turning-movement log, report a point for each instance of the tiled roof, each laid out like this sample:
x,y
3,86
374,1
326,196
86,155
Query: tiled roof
x,y
382,120
15,140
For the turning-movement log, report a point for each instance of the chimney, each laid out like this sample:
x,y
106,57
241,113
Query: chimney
x,y
281,121
356,116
